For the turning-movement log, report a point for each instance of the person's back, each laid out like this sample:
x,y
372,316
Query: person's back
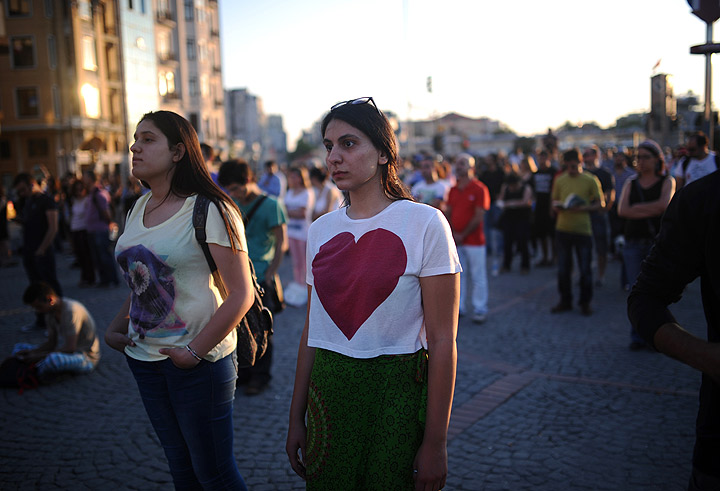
x,y
72,345
684,250
265,221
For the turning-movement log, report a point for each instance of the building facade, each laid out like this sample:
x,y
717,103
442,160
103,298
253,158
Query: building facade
x,y
78,76
189,77
61,96
254,136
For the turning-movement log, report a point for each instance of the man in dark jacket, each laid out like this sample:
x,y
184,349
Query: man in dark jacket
x,y
687,246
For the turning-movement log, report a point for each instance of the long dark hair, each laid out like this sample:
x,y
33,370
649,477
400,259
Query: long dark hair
x,y
369,120
191,175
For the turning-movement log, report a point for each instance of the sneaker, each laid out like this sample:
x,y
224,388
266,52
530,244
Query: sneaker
x,y
585,309
561,307
479,318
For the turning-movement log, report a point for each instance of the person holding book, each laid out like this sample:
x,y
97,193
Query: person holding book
x,y
574,195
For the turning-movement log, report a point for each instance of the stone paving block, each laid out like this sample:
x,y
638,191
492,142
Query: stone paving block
x,y
540,401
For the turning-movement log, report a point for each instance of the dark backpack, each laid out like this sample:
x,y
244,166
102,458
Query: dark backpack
x,y
256,327
18,374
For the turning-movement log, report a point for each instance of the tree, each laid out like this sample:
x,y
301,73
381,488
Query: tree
x,y
301,148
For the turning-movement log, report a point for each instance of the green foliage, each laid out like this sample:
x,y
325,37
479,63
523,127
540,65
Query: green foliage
x,y
301,148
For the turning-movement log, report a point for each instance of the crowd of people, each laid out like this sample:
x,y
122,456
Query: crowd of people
x,y
361,243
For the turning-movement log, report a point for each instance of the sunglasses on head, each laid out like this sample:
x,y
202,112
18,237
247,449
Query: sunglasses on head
x,y
359,100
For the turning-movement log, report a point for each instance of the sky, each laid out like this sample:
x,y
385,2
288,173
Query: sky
x,y
530,64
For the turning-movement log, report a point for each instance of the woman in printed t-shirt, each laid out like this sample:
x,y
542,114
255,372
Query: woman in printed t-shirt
x,y
176,331
376,363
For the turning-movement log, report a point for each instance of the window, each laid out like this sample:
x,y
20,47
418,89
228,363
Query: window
x,y
202,51
142,6
162,84
57,108
190,49
204,86
189,7
163,45
5,153
91,98
166,83
84,10
23,52
130,4
19,8
170,80
193,86
38,147
27,102
89,55
49,9
194,121
52,52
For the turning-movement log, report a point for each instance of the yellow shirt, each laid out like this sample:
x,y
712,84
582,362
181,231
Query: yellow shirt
x,y
586,187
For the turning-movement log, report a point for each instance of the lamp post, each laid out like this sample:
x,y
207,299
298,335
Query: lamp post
x,y
708,11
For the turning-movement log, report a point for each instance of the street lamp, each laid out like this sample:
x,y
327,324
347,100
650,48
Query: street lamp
x,y
708,11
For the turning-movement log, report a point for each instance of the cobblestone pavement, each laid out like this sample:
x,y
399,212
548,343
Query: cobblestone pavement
x,y
543,402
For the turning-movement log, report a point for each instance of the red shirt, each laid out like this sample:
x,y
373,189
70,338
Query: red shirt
x,y
463,203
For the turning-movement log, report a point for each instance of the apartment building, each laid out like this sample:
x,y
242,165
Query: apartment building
x,y
61,92
78,76
187,35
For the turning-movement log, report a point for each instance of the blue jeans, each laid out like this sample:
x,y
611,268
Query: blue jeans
x,y
191,411
58,362
582,244
634,253
493,236
103,257
474,272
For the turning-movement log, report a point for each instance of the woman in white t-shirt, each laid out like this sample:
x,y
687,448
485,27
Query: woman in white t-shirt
x,y
177,333
299,203
377,357
327,195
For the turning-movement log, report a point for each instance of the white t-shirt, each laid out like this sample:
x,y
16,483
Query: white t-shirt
x,y
297,228
172,293
696,168
366,299
428,192
77,220
321,198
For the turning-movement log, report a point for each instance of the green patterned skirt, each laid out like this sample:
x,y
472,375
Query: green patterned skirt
x,y
366,419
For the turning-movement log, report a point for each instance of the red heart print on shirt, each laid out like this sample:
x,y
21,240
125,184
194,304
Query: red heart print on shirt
x,y
352,279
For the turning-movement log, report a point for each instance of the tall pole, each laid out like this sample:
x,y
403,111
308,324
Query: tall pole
x,y
708,90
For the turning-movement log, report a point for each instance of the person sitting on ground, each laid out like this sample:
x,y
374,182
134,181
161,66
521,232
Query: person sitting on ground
x,y
72,345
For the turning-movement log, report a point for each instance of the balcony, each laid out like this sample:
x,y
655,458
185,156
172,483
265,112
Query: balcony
x,y
165,17
167,58
171,96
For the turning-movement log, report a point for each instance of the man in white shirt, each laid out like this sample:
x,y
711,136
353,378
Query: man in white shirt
x,y
699,163
430,190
